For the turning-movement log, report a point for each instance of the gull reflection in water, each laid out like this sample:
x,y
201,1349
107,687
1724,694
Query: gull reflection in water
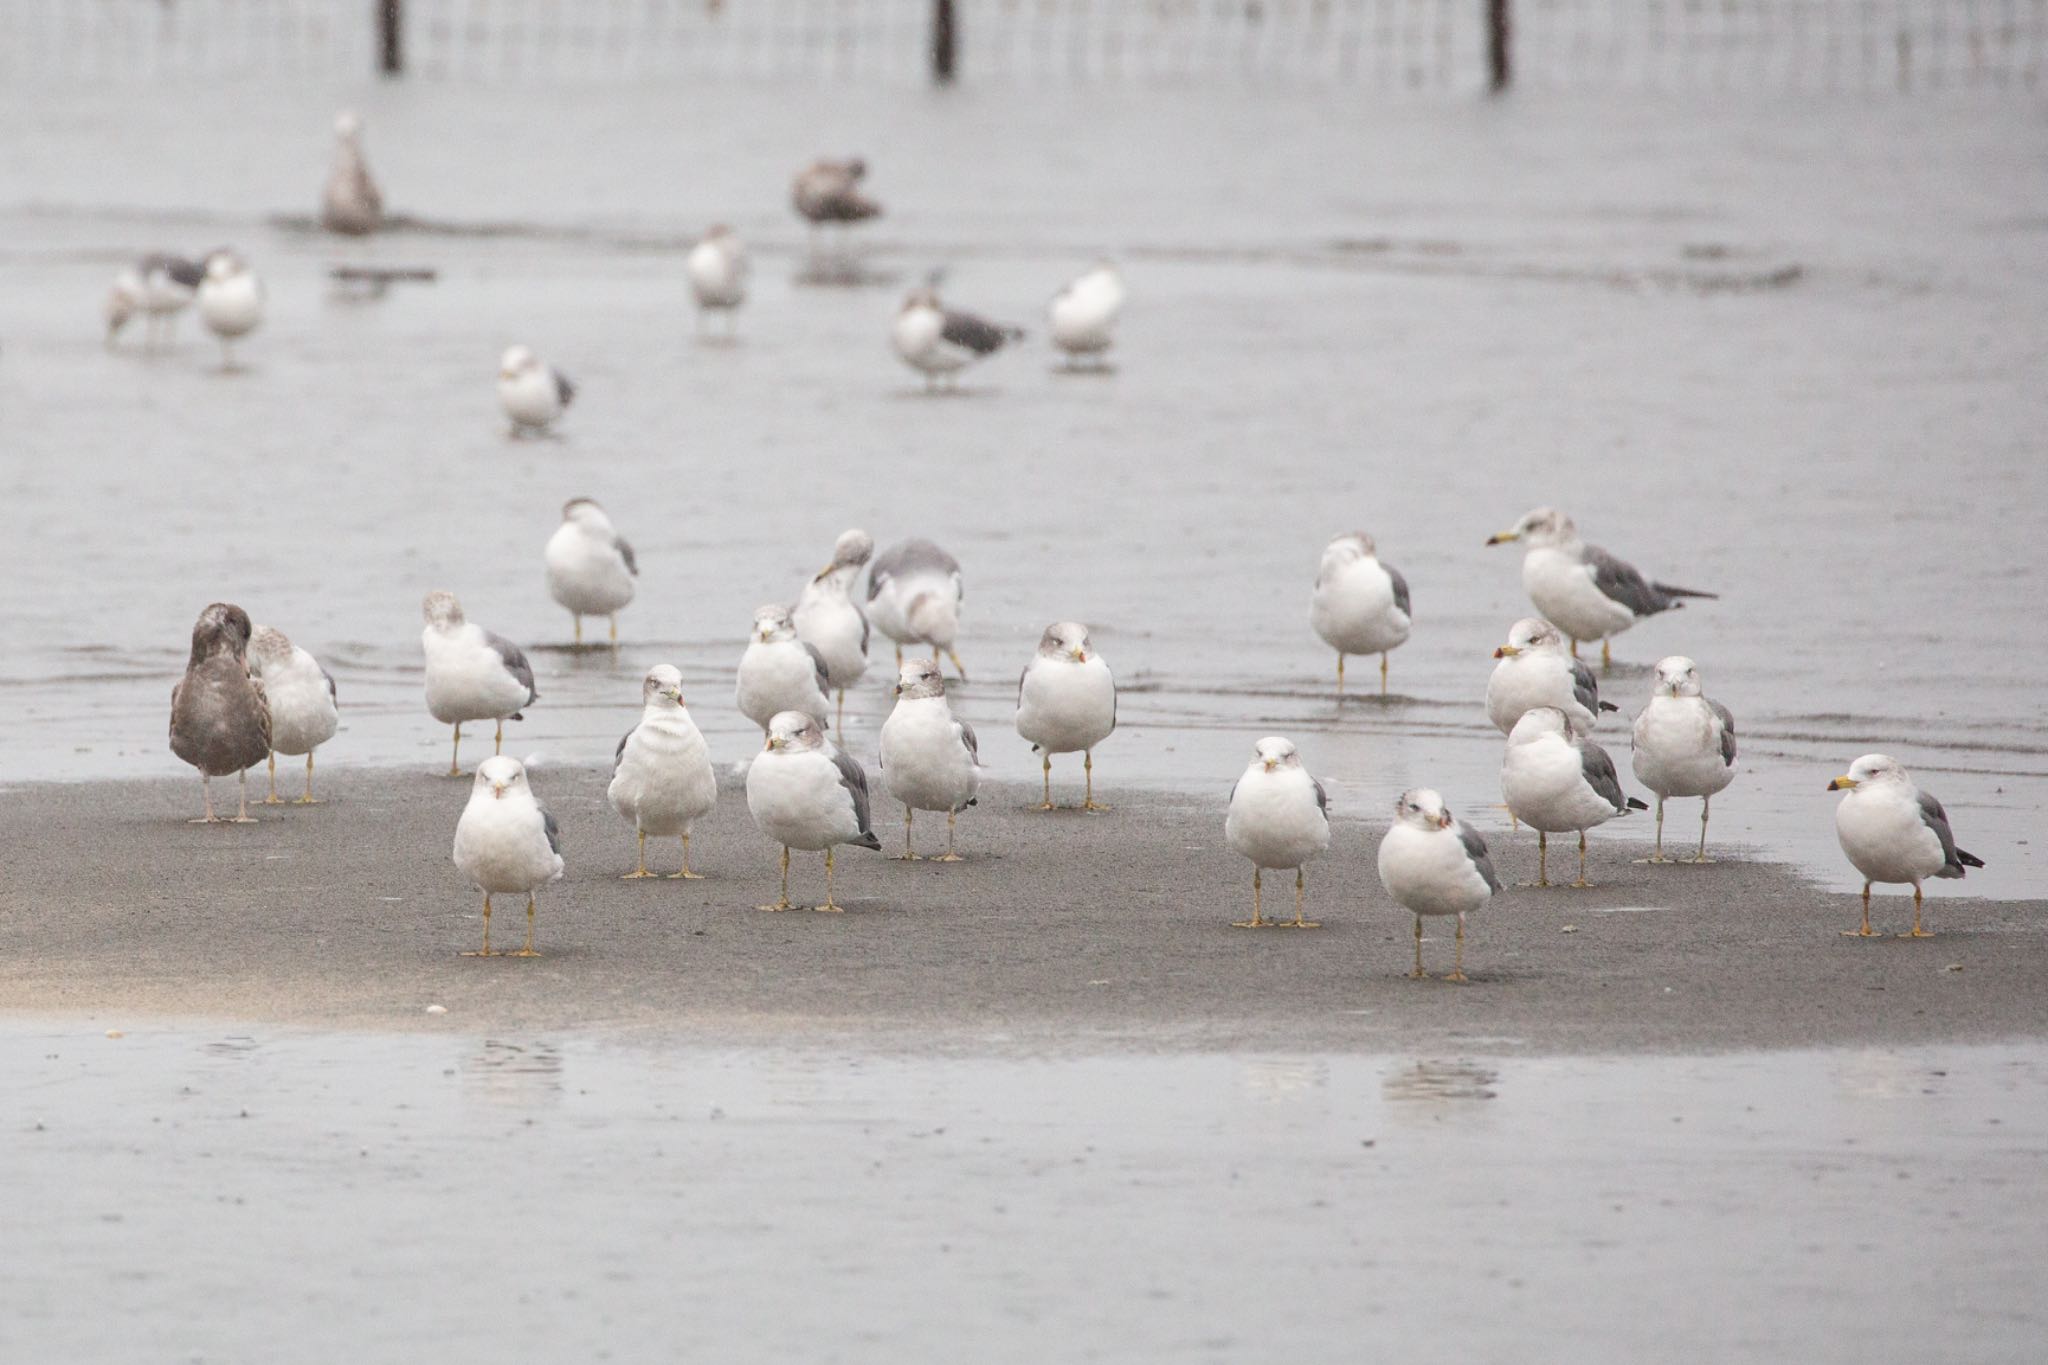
x,y
1435,1081
517,1074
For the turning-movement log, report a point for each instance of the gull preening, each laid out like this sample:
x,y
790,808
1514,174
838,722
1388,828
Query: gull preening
x,y
1535,670
779,672
506,842
1279,817
472,674
717,267
805,794
1432,863
1894,832
1360,603
351,204
938,342
914,595
230,301
930,757
1083,316
591,566
1066,702
1583,590
533,393
827,620
304,709
1557,781
220,717
159,287
661,775
1683,745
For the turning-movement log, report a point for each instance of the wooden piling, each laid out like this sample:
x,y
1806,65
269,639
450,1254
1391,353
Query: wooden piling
x,y
945,41
1499,34
391,37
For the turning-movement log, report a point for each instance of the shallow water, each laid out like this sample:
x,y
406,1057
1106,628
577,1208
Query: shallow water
x,y
193,1193
1791,352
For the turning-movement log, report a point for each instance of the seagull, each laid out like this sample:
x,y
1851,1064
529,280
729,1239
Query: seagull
x,y
827,619
1084,315
661,775
533,393
230,301
351,205
220,718
804,793
939,342
472,674
1893,832
930,757
717,268
1557,781
1534,670
1433,863
158,286
1279,818
914,595
506,841
1684,745
303,710
1066,702
1587,592
1360,605
590,566
827,192
780,673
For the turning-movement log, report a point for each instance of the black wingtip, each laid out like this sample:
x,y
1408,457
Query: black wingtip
x,y
868,840
515,716
1609,706
1968,859
1635,804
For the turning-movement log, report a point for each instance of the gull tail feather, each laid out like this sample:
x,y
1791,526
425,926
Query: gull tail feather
x,y
1968,859
1609,706
868,840
1636,803
1669,591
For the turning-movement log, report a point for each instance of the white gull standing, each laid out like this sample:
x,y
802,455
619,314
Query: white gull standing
x,y
1534,670
351,204
506,842
230,301
717,267
930,757
532,392
1432,863
472,674
1683,745
158,286
591,566
1084,316
661,775
1557,781
938,342
1360,604
914,596
803,793
1066,702
1279,817
304,713
827,619
1894,832
779,672
1583,590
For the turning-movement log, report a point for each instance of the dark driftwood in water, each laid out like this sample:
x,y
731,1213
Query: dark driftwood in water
x,y
390,37
383,274
945,41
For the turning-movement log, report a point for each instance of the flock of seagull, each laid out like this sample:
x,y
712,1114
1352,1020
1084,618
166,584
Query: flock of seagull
x,y
250,695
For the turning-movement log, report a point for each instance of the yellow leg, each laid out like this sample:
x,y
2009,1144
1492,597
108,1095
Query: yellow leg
x,y
909,854
1383,673
783,902
949,856
1658,855
1089,802
958,667
1340,673
1575,649
1701,856
1046,804
499,746
1917,931
1300,890
686,874
830,907
308,799
1582,861
1258,919
528,950
579,626
455,755
839,717
1866,931
641,869
1418,974
1606,655
273,799
899,657
242,816
485,951
615,630
1457,972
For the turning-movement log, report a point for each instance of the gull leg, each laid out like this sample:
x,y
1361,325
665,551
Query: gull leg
x,y
1457,972
1340,674
498,747
1866,931
1606,655
899,656
485,951
1046,804
1089,802
830,907
783,902
1542,858
949,856
958,667
1917,931
1701,856
578,617
273,799
1300,889
839,716
641,869
1575,649
1258,919
455,754
909,854
615,630
206,790
308,799
1418,974
1658,855
1582,861
1383,673
528,950
686,874
242,816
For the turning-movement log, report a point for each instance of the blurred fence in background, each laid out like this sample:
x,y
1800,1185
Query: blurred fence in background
x,y
1736,45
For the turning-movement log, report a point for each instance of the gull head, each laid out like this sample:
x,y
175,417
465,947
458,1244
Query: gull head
x,y
1531,635
1677,676
517,361
223,264
1869,771
772,624
586,512
1349,548
663,686
1537,724
347,126
717,232
853,549
223,628
920,298
1423,809
501,773
854,167
268,648
793,730
1067,641
1541,526
920,678
1275,753
441,610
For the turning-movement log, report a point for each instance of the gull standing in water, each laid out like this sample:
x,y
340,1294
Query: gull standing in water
x,y
1279,817
1360,604
805,794
1432,863
303,705
220,718
506,842
472,674
661,775
717,267
1084,316
159,287
827,620
914,596
828,192
938,342
1585,591
1066,702
591,567
930,757
1557,781
532,392
779,672
1534,670
230,301
1684,745
1894,832
351,204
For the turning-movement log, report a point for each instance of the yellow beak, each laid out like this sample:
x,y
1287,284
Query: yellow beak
x,y
1507,651
497,792
1271,764
819,576
1503,538
1842,784
1080,656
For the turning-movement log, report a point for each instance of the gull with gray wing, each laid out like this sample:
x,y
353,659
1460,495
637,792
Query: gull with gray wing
x,y
507,842
472,673
1279,817
1432,863
591,567
1683,745
1066,703
931,759
806,794
304,713
1558,781
1894,832
779,672
661,773
1360,603
938,342
1534,670
1582,589
914,596
828,620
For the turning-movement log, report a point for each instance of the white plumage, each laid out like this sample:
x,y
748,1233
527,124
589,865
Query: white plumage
x,y
590,566
1558,782
533,393
1066,702
506,842
1279,817
662,781
1360,605
1432,863
303,710
914,595
230,301
1894,832
159,286
471,673
938,342
931,759
717,267
1535,670
827,619
1682,745
779,672
1582,589
1084,314
805,794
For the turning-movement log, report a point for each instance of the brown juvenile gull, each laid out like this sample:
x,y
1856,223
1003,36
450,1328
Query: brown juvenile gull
x,y
828,192
351,206
220,719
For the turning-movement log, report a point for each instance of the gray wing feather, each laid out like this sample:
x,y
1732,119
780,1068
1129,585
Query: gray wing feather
x,y
1322,797
865,630
978,335
1599,773
818,663
1022,674
1727,733
514,659
625,549
855,781
967,738
1624,583
332,695
564,389
548,823
619,754
1475,849
1400,588
906,557
1936,819
1585,687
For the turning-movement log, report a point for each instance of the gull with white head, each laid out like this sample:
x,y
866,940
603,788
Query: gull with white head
x,y
230,301
1066,702
1360,604
931,759
533,393
806,794
827,619
304,713
661,774
1433,863
1084,316
717,267
506,842
914,596
1558,781
1684,745
938,342
472,673
1585,591
591,567
1894,832
1279,817
779,672
1535,670
159,286
351,205
220,715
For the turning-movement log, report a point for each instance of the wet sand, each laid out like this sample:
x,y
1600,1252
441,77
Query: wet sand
x,y
1061,930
